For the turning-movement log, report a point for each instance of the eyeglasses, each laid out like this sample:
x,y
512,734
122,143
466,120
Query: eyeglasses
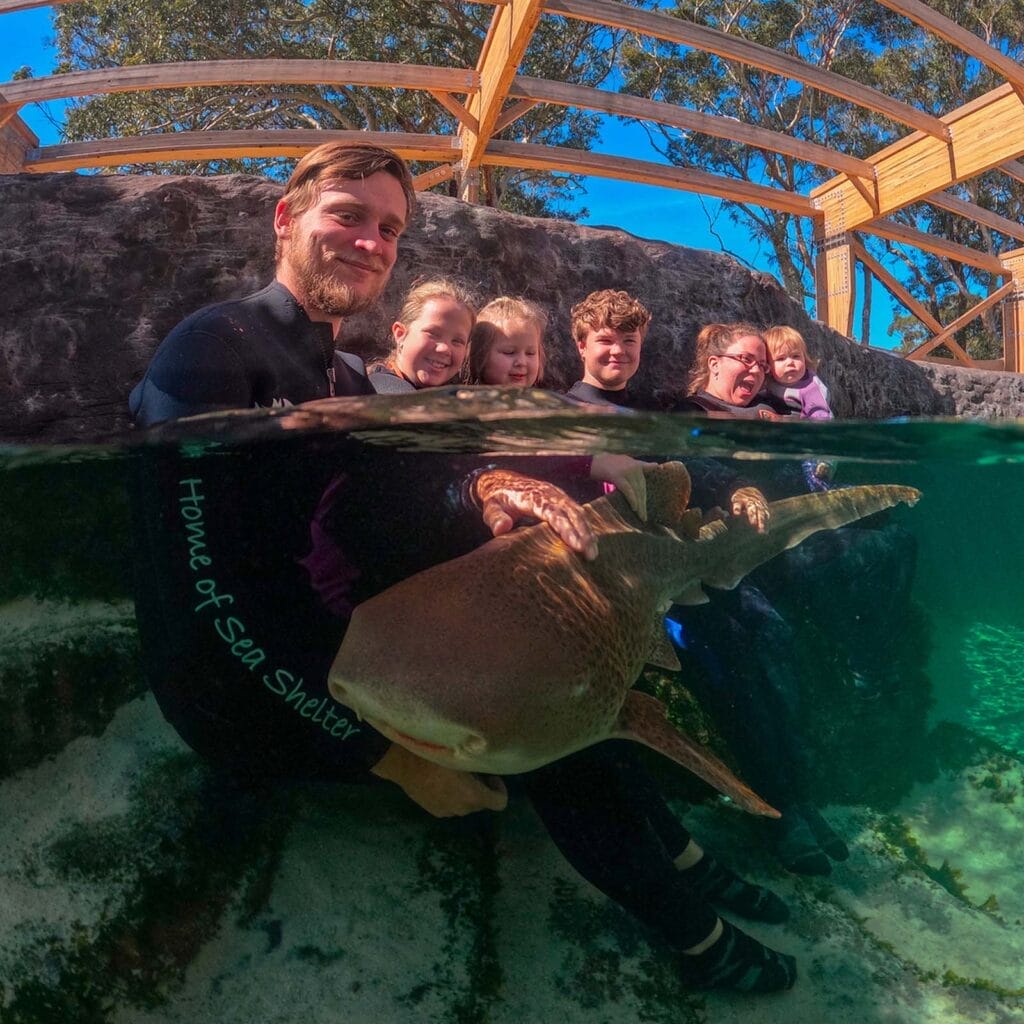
x,y
747,360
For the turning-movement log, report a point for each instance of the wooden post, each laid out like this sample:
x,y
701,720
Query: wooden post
x,y
16,141
834,281
1013,312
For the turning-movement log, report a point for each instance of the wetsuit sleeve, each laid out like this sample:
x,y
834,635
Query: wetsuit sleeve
x,y
815,400
193,371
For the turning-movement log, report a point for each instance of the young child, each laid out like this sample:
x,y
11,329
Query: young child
x,y
792,377
431,336
506,346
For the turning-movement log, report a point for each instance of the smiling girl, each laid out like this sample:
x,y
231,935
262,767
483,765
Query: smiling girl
x,y
430,337
506,347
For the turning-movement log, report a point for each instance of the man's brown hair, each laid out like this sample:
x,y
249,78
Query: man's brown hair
x,y
345,160
609,308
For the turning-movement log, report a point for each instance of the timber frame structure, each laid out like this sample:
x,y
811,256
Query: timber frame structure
x,y
936,154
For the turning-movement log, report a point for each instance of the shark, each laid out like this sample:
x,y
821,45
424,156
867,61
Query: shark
x,y
522,651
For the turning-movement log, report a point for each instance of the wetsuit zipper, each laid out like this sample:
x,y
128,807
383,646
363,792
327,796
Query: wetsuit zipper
x,y
328,354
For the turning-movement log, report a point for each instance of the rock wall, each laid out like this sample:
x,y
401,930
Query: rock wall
x,y
97,269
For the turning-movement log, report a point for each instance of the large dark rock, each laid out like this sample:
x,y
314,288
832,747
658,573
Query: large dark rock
x,y
97,269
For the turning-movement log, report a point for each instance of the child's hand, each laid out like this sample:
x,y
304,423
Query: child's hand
x,y
627,474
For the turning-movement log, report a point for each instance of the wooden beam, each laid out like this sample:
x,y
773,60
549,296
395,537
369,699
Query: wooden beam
x,y
953,204
1013,313
512,114
677,30
932,243
623,105
575,161
188,74
835,284
945,336
428,179
985,133
509,35
945,28
224,145
1014,168
896,289
455,108
10,6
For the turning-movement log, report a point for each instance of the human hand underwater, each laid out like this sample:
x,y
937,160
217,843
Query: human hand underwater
x,y
442,792
627,474
507,497
750,502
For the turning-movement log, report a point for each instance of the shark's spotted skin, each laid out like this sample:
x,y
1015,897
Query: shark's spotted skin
x,y
522,652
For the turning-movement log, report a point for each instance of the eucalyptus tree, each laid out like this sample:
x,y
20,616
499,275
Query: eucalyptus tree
x,y
872,45
115,33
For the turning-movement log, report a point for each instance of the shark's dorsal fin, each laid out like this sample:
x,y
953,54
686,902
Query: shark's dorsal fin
x,y
642,718
668,493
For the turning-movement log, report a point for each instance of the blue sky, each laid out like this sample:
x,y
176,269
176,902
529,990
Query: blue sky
x,y
644,210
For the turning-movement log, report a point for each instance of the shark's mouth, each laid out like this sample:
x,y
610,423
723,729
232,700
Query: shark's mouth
x,y
410,742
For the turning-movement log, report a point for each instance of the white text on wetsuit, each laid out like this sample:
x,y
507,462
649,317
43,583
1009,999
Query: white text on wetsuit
x,y
231,628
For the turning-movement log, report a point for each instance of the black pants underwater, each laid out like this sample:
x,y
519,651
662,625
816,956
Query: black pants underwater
x,y
606,816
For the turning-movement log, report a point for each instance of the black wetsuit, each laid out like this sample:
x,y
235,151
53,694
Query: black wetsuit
x,y
387,382
257,351
591,394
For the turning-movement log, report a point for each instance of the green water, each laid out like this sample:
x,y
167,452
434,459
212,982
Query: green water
x,y
137,887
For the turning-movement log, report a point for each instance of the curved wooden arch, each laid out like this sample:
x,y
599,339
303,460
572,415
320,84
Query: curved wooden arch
x,y
224,145
984,134
258,71
576,161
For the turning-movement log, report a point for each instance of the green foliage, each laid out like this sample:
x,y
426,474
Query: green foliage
x,y
443,33
873,46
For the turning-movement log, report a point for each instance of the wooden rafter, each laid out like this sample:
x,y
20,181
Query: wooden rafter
x,y
985,133
623,105
428,179
455,108
512,113
978,214
1014,168
575,161
509,35
945,336
945,28
224,145
187,74
895,288
933,244
676,30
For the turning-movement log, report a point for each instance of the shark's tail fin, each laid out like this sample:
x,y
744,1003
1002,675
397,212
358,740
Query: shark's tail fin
x,y
738,548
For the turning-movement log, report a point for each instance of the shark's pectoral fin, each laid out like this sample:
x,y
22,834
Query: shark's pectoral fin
x,y
692,595
642,718
736,548
661,652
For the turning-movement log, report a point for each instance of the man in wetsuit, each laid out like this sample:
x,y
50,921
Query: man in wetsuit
x,y
337,227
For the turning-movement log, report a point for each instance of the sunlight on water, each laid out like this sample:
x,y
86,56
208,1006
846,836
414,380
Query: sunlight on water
x,y
886,677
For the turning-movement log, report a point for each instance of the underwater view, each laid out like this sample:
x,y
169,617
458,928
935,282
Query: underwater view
x,y
858,668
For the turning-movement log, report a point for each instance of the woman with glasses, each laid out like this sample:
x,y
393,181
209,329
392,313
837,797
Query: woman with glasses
x,y
729,373
750,679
